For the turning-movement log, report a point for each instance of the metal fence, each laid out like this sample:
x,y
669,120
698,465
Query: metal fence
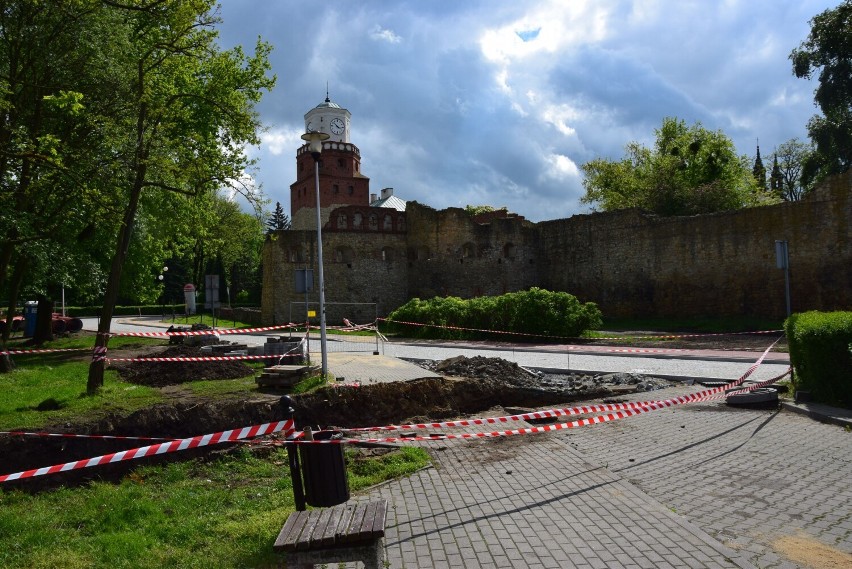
x,y
350,326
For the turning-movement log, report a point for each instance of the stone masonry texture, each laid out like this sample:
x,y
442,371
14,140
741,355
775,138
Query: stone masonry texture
x,y
630,263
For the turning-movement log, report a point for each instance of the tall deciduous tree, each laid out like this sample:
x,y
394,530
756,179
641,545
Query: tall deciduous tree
x,y
186,114
48,200
828,50
690,170
788,166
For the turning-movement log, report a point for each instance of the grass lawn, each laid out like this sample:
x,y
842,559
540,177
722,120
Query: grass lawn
x,y
224,511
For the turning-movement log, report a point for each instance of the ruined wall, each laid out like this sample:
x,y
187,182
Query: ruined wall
x,y
451,255
635,264
358,268
629,262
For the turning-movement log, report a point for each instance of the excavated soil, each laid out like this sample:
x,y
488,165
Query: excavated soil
x,y
467,386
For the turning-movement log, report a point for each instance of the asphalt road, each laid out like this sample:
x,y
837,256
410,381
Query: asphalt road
x,y
682,364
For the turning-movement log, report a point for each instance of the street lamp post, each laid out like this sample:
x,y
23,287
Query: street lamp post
x,y
314,140
162,279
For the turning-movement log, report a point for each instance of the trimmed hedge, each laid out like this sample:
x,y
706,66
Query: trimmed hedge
x,y
536,311
821,354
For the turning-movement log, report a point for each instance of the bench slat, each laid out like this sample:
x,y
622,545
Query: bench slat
x,y
341,526
327,537
369,517
351,533
319,529
291,531
380,519
304,542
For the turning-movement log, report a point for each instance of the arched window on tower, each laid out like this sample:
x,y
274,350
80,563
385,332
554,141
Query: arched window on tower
x,y
357,219
341,221
373,222
388,223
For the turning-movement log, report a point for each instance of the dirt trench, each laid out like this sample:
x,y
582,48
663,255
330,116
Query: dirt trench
x,y
468,386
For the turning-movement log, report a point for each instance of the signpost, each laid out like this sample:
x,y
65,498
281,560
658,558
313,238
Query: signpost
x,y
782,261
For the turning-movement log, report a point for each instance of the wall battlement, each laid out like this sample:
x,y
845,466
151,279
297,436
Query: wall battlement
x,y
631,263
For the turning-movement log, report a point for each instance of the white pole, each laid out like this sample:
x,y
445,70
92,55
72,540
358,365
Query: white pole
x,y
321,281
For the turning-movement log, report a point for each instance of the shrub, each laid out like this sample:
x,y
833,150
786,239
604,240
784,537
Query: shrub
x,y
819,351
535,312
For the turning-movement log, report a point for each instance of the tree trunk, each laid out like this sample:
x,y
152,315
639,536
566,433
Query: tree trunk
x,y
44,321
98,365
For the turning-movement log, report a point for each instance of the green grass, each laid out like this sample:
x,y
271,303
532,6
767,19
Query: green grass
x,y
61,390
206,514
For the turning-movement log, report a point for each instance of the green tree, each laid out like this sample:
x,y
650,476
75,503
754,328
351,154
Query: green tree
x,y
278,220
49,205
184,115
788,166
828,50
690,170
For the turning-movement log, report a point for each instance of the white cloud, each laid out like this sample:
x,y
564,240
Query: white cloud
x,y
560,167
481,101
378,33
281,141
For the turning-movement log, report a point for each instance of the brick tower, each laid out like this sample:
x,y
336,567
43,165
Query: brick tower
x,y
340,180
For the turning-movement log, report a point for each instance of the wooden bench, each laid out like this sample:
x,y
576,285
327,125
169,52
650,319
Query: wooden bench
x,y
349,532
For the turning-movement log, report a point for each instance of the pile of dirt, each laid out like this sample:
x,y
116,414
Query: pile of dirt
x,y
160,374
486,369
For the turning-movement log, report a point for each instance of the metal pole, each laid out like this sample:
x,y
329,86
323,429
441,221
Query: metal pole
x,y
293,459
787,286
321,280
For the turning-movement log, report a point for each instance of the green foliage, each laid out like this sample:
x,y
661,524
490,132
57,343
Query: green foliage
x,y
472,210
689,171
535,312
277,220
788,167
819,351
197,514
829,50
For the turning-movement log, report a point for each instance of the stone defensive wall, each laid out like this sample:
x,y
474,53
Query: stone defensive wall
x,y
631,263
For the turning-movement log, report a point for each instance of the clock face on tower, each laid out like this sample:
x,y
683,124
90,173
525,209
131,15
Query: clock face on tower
x,y
337,126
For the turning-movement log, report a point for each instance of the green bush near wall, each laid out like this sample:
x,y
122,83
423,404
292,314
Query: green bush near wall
x,y
821,356
537,312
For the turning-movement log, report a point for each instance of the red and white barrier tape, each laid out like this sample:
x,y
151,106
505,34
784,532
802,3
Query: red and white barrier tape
x,y
76,436
41,351
158,449
574,410
220,331
197,358
669,336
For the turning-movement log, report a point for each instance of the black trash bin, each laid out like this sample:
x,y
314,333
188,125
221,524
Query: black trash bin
x,y
324,471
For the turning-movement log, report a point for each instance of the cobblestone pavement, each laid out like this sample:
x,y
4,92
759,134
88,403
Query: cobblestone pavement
x,y
534,501
751,479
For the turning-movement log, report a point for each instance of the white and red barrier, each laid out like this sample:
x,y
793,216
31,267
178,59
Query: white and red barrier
x,y
614,412
207,332
40,351
530,335
158,449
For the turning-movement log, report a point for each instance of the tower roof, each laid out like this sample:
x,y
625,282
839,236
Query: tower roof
x,y
328,104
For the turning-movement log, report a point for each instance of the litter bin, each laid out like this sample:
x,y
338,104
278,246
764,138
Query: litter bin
x,y
324,471
30,311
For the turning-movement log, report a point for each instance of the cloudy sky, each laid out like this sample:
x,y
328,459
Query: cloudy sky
x,y
500,102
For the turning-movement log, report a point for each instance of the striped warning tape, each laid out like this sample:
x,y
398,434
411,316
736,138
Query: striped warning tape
x,y
41,351
583,410
198,358
78,436
207,332
158,449
643,337
621,411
